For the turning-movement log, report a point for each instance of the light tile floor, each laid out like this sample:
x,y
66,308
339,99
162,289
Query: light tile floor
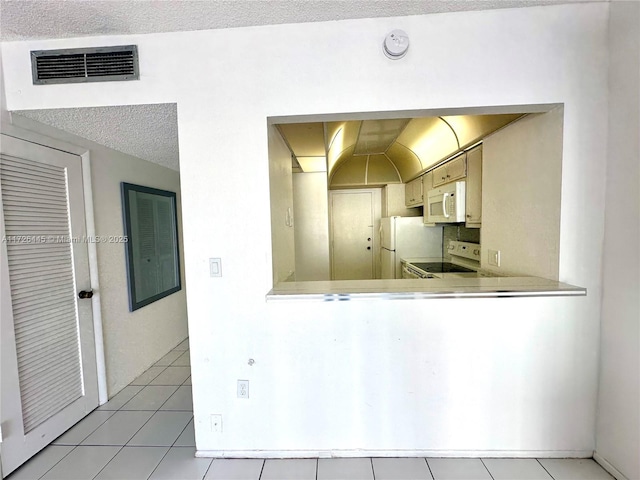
x,y
146,432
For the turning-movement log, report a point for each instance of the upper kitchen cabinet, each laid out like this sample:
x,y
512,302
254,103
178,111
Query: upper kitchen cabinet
x,y
393,202
450,171
427,182
474,188
413,195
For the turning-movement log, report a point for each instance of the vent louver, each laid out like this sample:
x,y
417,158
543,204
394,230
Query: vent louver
x,y
76,65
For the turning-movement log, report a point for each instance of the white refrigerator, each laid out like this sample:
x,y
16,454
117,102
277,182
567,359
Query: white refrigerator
x,y
404,237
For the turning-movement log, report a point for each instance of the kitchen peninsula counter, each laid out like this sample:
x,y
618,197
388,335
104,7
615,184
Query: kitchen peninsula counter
x,y
490,287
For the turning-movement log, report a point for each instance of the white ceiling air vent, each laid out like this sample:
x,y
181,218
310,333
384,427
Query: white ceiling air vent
x,y
76,65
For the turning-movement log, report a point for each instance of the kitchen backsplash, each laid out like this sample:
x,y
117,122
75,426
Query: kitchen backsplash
x,y
460,233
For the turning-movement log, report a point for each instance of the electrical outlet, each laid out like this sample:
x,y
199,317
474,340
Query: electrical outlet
x,y
494,258
216,423
243,388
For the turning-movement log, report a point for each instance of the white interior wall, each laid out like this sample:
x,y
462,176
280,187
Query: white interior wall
x,y
521,175
618,427
282,213
311,226
133,341
4,114
458,376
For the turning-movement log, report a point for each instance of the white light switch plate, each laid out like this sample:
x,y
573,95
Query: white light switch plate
x,y
215,267
494,258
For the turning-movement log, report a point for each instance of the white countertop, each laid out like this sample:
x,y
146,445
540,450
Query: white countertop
x,y
339,290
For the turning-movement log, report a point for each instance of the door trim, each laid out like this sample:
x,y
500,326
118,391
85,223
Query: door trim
x,y
84,153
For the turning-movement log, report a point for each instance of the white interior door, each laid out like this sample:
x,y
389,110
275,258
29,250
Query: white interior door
x,y
48,361
353,219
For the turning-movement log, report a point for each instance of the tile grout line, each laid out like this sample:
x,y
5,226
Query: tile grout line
x,y
156,411
79,444
429,467
186,352
151,380
84,438
142,426
125,444
105,465
52,466
373,470
146,410
166,385
151,410
208,468
100,407
182,431
264,462
169,397
487,469
545,469
180,343
156,467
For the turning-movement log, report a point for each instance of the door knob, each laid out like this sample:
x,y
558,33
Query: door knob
x,y
85,294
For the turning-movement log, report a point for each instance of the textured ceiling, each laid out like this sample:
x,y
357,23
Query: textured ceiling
x,y
144,131
150,132
35,19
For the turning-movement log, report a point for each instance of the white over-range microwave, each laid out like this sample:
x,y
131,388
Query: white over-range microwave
x,y
446,204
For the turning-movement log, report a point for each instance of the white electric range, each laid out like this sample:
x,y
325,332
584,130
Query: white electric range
x,y
465,262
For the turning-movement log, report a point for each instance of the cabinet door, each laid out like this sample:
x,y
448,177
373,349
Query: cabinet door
x,y
413,193
474,188
457,168
427,183
440,175
418,191
453,170
408,194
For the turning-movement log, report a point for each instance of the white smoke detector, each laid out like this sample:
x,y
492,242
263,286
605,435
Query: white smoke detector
x,y
396,44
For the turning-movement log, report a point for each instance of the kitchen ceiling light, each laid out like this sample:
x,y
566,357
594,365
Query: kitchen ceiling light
x,y
396,44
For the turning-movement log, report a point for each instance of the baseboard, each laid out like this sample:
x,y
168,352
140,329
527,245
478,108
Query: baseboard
x,y
608,467
396,453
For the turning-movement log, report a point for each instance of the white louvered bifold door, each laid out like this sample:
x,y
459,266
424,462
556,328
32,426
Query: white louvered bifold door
x,y
36,216
40,257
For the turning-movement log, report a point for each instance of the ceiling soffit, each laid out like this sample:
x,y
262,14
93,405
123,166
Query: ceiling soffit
x,y
405,160
376,136
471,129
431,139
304,139
417,145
